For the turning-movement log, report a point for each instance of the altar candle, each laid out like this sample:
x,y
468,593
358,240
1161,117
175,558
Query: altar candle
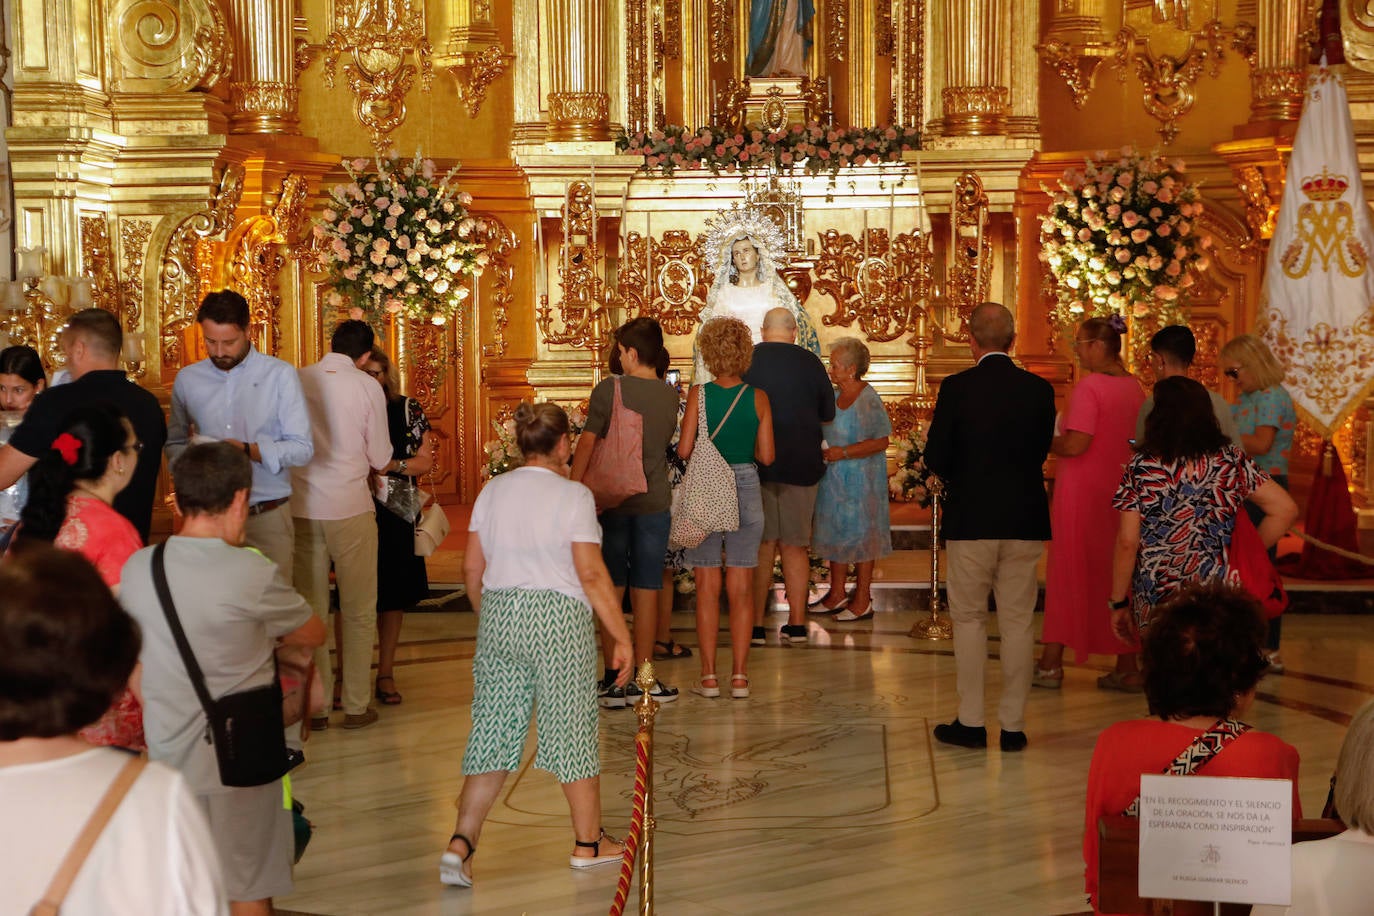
x,y
713,102
567,234
541,266
891,206
865,209
648,252
594,213
829,103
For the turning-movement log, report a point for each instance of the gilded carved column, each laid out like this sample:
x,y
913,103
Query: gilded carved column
x,y
263,95
1283,28
579,107
975,98
863,64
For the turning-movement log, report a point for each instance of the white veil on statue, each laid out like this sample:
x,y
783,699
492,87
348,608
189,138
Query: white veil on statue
x,y
722,232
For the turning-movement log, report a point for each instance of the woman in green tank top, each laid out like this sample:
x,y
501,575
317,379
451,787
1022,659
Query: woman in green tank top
x,y
740,421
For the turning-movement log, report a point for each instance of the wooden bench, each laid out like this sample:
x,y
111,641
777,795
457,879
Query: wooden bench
x,y
1118,859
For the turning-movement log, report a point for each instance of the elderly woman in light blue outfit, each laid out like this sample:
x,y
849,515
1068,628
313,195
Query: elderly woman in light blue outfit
x,y
851,502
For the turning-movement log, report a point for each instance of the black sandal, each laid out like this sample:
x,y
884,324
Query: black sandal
x,y
388,697
596,858
451,866
670,649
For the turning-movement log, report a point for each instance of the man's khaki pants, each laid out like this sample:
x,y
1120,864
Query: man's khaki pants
x,y
274,535
351,543
1006,569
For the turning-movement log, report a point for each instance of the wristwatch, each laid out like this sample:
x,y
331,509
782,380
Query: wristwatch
x,y
1119,605
248,450
401,466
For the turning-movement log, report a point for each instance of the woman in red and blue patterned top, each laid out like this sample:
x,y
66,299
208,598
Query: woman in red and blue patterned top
x,y
1178,500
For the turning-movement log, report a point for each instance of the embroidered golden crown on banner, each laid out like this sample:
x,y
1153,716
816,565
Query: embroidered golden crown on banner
x,y
1324,186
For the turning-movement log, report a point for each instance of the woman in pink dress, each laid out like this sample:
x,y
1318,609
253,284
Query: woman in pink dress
x,y
1093,446
71,488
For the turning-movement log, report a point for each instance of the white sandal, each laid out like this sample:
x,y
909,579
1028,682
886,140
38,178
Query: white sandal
x,y
709,692
596,858
739,693
451,864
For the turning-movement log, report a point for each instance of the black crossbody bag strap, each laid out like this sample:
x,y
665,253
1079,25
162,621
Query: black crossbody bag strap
x,y
164,595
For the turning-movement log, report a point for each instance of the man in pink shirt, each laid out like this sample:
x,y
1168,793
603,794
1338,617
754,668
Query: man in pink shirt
x,y
332,508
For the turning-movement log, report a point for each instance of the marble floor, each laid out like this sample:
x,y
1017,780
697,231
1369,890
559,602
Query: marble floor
x,y
822,793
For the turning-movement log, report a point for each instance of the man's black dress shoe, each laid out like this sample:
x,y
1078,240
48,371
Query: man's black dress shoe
x,y
1013,741
961,735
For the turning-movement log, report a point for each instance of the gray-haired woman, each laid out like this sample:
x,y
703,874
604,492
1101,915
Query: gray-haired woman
x,y
851,501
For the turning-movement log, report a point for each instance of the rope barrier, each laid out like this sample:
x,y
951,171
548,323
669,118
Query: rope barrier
x,y
1338,551
641,793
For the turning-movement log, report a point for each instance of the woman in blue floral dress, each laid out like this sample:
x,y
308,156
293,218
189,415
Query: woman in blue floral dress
x,y
852,499
1178,500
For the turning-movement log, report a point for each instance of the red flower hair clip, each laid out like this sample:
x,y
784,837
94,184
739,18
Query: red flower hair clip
x,y
68,446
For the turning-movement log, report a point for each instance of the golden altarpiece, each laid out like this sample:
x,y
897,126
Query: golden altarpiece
x,y
163,148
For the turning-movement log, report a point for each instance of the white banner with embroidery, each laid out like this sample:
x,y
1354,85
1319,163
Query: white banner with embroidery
x,y
1319,288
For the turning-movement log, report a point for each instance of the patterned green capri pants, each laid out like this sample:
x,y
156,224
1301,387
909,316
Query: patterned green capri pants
x,y
536,648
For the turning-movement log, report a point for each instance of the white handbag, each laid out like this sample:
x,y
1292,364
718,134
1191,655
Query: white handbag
x,y
706,501
431,529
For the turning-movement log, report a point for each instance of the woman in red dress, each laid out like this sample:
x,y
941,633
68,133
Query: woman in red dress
x,y
1202,656
71,489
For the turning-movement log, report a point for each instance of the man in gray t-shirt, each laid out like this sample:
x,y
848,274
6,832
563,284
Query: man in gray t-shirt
x,y
235,609
1171,353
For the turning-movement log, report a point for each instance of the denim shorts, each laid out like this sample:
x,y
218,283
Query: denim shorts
x,y
633,548
740,547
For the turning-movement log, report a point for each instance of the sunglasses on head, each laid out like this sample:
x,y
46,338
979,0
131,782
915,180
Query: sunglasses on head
x,y
1232,373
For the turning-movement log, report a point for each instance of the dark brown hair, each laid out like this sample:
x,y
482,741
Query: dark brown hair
x,y
208,476
66,646
1203,650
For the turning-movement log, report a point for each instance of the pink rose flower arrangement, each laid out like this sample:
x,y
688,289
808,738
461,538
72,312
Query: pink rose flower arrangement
x,y
1119,238
375,229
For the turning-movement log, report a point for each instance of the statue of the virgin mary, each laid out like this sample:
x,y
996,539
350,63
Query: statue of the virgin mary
x,y
779,35
743,248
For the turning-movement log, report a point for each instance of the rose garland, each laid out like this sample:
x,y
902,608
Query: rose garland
x,y
814,148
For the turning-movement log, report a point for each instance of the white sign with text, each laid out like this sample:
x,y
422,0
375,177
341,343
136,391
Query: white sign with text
x,y
1209,838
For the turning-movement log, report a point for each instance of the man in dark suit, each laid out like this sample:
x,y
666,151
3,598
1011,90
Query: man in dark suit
x,y
988,441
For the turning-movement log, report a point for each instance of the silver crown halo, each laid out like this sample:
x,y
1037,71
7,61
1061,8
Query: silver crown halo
x,y
728,226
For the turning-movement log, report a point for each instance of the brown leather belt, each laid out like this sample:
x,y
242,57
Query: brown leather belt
x,y
268,505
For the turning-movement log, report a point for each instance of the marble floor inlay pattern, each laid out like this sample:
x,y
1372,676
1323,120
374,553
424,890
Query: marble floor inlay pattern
x,y
821,793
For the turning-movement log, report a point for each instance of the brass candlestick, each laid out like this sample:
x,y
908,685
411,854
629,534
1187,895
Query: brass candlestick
x,y
934,626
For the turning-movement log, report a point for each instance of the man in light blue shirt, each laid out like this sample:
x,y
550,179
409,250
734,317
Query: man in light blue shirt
x,y
254,402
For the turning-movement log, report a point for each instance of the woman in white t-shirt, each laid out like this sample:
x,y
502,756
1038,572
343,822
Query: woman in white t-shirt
x,y
66,651
533,568
1335,876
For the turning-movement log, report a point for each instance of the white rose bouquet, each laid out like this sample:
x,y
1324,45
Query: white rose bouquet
x,y
1121,238
503,453
399,241
911,480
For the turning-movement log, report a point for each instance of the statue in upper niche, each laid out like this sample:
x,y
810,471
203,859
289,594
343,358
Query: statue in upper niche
x,y
779,37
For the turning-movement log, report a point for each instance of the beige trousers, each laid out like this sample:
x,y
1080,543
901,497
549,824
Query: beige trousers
x,y
1005,569
351,543
273,534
